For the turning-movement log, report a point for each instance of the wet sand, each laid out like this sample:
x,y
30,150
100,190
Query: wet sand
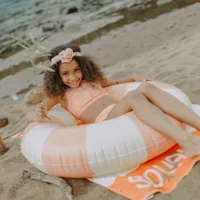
x,y
166,48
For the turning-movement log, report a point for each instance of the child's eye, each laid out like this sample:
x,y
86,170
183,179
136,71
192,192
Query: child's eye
x,y
77,69
65,74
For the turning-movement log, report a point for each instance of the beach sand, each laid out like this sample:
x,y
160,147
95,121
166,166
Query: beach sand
x,y
166,48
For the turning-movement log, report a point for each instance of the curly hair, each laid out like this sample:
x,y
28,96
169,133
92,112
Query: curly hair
x,y
53,85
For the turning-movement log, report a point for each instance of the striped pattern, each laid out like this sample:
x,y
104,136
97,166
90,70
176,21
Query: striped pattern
x,y
95,149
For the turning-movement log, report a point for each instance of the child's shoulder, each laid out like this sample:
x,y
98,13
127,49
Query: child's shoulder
x,y
90,84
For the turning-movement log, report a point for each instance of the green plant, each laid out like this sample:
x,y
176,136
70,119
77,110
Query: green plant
x,y
34,50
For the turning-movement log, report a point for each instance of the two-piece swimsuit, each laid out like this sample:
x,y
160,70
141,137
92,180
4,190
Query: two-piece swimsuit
x,y
79,99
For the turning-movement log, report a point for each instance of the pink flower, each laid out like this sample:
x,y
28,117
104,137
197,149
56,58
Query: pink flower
x,y
65,56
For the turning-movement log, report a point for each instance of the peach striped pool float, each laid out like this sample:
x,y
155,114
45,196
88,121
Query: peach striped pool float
x,y
65,149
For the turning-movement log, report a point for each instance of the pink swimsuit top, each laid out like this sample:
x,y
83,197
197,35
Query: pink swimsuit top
x,y
79,99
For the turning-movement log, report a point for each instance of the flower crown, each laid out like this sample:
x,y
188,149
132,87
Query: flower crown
x,y
64,56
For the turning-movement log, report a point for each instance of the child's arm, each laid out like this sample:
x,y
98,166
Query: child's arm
x,y
112,82
49,103
107,83
43,108
38,112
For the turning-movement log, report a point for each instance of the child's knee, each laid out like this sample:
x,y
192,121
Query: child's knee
x,y
145,88
135,95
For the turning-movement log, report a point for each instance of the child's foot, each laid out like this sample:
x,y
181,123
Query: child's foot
x,y
191,147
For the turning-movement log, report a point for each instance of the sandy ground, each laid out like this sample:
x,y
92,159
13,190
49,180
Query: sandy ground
x,y
166,48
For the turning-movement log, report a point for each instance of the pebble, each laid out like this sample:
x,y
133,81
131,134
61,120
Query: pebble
x,y
3,121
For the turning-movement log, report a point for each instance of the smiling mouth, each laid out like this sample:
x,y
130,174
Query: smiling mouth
x,y
74,82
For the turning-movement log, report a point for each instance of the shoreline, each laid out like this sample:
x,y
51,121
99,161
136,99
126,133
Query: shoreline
x,y
166,48
96,27
120,44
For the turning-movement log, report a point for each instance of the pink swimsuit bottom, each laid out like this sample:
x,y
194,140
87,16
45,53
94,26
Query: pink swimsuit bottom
x,y
79,99
103,115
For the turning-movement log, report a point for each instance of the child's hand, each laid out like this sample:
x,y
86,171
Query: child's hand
x,y
41,111
37,112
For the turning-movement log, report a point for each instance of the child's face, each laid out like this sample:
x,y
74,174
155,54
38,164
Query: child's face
x,y
70,74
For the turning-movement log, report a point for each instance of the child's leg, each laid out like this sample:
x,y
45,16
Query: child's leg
x,y
170,105
155,118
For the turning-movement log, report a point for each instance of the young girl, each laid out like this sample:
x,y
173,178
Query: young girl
x,y
78,84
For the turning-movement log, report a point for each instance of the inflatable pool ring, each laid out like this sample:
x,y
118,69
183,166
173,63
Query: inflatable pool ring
x,y
65,149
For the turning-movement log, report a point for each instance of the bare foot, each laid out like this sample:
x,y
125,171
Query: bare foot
x,y
191,146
